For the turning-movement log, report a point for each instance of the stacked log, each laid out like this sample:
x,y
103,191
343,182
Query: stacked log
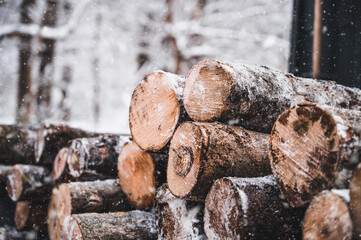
x,y
355,201
31,215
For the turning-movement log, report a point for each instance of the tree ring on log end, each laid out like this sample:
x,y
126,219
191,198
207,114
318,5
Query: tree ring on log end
x,y
304,152
60,163
154,111
21,214
184,161
208,90
14,183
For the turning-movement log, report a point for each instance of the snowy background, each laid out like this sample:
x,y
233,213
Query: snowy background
x,y
102,49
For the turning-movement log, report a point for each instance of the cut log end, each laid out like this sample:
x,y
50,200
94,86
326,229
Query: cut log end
x,y
14,183
184,159
53,220
75,166
63,206
60,164
136,175
154,112
21,214
70,229
327,217
207,91
304,152
355,201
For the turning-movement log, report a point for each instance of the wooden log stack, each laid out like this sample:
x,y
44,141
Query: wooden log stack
x,y
229,152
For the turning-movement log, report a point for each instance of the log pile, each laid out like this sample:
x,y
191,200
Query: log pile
x,y
229,152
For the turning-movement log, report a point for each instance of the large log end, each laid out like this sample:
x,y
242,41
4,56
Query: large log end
x,y
14,183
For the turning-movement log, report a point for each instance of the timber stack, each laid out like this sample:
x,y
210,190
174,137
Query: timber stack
x,y
229,152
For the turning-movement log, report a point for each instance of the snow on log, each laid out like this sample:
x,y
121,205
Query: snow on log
x,y
156,110
178,218
11,233
4,172
140,173
355,201
31,215
200,153
327,217
310,145
110,226
97,155
17,144
250,208
254,96
28,182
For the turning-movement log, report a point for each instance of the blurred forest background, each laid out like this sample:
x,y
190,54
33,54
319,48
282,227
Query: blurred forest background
x,y
78,61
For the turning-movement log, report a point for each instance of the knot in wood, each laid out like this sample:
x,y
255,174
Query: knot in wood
x,y
184,160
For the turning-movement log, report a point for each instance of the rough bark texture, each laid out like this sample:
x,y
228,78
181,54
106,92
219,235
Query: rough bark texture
x,y
200,153
51,138
177,218
4,172
95,155
97,196
310,145
355,201
17,144
31,215
140,173
28,182
110,226
327,217
249,208
156,110
254,96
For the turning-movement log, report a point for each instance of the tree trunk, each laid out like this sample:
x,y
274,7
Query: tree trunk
x,y
310,145
156,110
97,196
17,144
177,218
249,208
140,173
110,226
254,96
51,138
31,215
355,201
327,217
200,153
27,182
4,172
95,155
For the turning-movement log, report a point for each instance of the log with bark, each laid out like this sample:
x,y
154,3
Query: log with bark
x,y
31,215
311,148
250,208
156,110
110,226
60,171
95,156
51,138
28,182
140,173
4,172
355,201
200,153
178,218
17,144
254,96
328,217
53,218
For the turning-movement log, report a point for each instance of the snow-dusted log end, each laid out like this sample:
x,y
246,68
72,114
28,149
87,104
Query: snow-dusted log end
x,y
254,96
311,147
355,201
249,208
156,110
178,218
327,217
138,172
200,153
110,226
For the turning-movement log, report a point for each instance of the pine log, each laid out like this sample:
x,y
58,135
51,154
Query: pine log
x,y
31,215
156,110
254,96
60,171
355,201
310,145
95,155
17,144
53,218
4,172
178,218
51,138
250,208
97,196
140,173
327,217
11,233
110,226
200,153
28,182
